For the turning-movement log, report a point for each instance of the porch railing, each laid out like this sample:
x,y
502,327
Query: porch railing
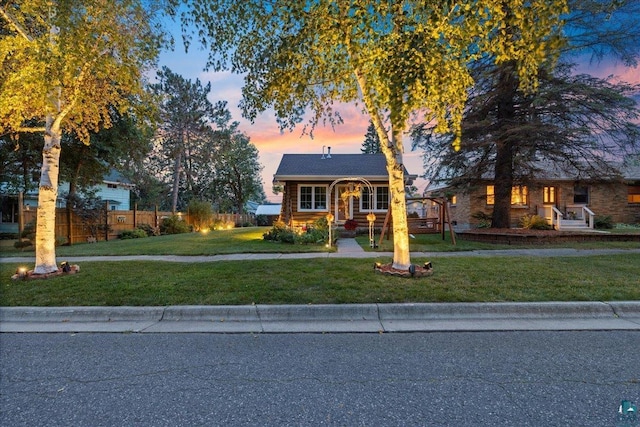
x,y
586,211
556,218
587,215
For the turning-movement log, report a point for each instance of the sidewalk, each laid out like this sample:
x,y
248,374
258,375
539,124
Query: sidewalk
x,y
361,318
346,248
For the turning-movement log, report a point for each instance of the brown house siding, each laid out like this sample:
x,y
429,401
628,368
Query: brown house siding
x,y
298,219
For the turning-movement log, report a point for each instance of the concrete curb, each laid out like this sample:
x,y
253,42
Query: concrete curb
x,y
427,317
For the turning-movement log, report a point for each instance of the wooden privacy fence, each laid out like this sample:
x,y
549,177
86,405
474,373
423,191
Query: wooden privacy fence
x,y
72,229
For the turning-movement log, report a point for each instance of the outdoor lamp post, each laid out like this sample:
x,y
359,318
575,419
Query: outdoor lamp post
x,y
329,222
371,218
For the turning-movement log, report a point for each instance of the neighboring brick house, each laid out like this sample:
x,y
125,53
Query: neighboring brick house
x,y
349,186
619,199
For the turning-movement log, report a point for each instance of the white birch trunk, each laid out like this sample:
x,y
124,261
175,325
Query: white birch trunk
x,y
398,206
392,150
47,194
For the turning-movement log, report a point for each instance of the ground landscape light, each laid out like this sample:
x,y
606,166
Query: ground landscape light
x,y
21,272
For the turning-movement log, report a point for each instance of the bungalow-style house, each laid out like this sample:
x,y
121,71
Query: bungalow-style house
x,y
347,186
565,201
114,189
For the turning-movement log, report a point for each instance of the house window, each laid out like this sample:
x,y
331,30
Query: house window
x,y
519,195
112,185
312,198
549,195
453,200
633,194
581,194
380,199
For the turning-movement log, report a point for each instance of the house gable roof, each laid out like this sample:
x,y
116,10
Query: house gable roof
x,y
306,167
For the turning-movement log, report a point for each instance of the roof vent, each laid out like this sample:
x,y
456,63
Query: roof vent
x,y
328,152
323,152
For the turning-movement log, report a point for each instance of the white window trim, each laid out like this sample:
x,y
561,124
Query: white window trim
x,y
375,199
313,198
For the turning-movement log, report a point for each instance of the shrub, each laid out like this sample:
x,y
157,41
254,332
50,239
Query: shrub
x,y
484,220
262,220
534,222
603,222
318,233
350,224
199,214
279,233
220,224
174,225
133,234
21,244
29,231
148,229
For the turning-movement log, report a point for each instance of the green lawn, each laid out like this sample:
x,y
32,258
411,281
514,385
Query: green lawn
x,y
324,280
314,281
238,240
249,240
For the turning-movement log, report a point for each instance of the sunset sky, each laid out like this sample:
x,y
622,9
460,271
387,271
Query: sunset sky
x,y
346,138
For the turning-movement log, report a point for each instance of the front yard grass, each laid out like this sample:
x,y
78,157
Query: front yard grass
x,y
435,243
237,240
330,281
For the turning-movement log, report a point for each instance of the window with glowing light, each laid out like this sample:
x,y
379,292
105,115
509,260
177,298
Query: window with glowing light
x,y
633,194
312,198
519,195
380,198
549,195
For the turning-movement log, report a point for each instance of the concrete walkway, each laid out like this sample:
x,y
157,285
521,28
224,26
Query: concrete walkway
x,y
346,248
372,318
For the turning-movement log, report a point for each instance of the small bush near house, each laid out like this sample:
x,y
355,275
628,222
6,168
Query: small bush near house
x,y
484,220
148,229
534,222
279,233
603,222
133,234
350,224
174,225
318,233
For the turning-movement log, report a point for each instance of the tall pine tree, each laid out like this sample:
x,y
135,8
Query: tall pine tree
x,y
371,144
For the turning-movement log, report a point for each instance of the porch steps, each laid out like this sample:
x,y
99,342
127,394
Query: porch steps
x,y
573,224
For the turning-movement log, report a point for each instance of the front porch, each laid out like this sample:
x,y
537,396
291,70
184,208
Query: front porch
x,y
575,217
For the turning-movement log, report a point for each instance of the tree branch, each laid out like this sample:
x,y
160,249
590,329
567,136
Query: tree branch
x,y
15,24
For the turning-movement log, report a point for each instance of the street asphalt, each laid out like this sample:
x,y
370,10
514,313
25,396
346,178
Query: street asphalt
x,y
365,318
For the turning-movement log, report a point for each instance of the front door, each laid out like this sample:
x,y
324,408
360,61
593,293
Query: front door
x,y
344,207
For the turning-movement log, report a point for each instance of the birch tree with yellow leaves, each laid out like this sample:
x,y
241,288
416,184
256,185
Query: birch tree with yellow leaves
x,y
63,65
396,59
